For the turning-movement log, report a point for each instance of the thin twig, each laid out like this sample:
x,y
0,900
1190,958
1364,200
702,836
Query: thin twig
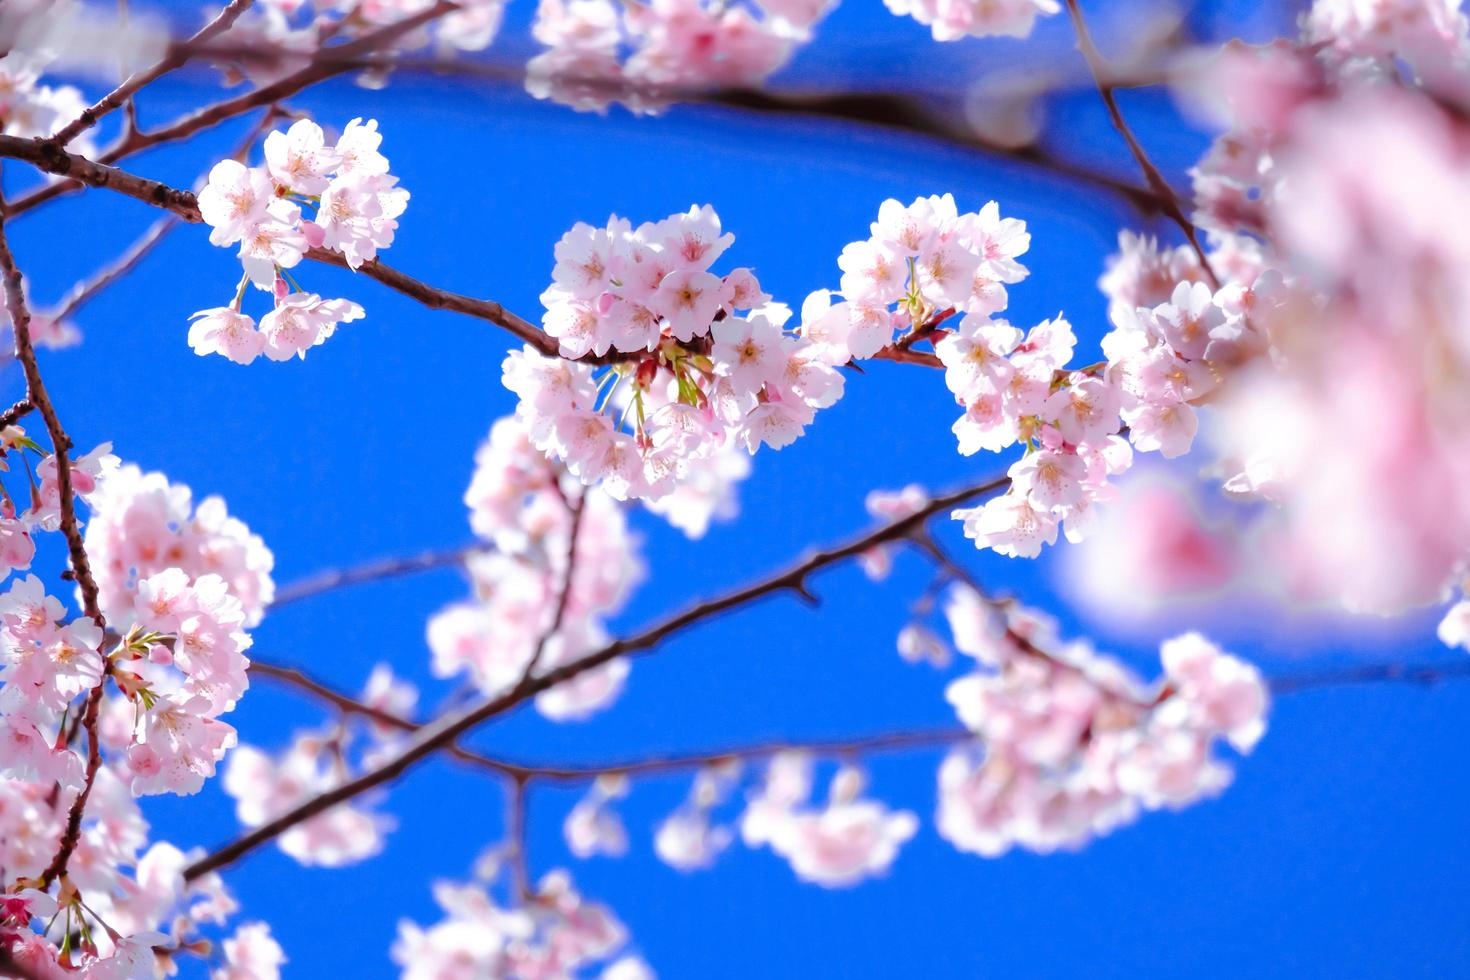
x,y
898,741
25,353
323,65
84,292
178,55
1168,200
564,593
518,791
302,681
373,571
16,412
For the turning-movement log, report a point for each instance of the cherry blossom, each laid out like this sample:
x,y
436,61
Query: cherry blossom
x,y
264,788
1074,745
520,501
356,204
553,933
690,376
143,524
646,54
954,19
251,954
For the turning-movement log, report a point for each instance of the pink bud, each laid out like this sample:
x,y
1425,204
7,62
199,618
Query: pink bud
x,y
315,233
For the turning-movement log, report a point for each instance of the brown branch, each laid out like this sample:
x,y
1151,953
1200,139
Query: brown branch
x,y
84,292
446,730
25,353
177,56
373,571
48,156
299,679
16,412
564,594
1426,674
516,803
443,299
323,65
900,741
1167,199
663,765
929,118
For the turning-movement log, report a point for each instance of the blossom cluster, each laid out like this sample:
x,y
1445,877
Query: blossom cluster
x,y
264,787
30,108
645,54
279,37
1070,745
143,524
559,560
172,664
698,375
951,20
837,844
926,262
356,205
553,933
1335,168
921,263
139,916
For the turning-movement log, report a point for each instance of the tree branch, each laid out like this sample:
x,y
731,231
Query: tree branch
x,y
61,444
84,292
336,578
1167,199
897,741
177,56
445,731
325,64
185,206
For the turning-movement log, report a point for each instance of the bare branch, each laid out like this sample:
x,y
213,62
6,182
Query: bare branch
x,y
16,412
177,56
25,353
84,292
1426,674
443,299
516,803
373,571
45,155
448,729
326,64
300,680
1167,199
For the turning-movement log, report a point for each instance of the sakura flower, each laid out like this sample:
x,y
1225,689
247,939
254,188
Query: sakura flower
x,y
299,159
1454,628
749,351
176,748
222,330
845,843
301,321
977,18
251,954
1009,525
688,299
688,841
234,201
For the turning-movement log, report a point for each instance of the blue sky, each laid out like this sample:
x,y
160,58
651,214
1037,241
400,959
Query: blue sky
x,y
1341,850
